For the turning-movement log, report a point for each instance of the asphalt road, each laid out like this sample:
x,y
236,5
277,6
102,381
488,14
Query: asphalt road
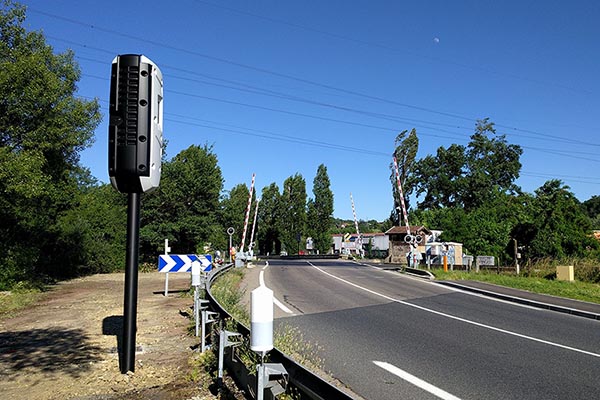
x,y
390,336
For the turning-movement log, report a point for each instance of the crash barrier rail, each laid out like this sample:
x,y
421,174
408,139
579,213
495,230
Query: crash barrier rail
x,y
310,385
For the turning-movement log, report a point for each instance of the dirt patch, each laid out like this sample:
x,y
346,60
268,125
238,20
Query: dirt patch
x,y
65,346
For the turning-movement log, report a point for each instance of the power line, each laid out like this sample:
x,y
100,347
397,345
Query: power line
x,y
265,92
252,68
388,48
274,73
568,154
270,135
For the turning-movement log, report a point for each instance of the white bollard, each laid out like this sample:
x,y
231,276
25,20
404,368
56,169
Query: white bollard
x,y
261,319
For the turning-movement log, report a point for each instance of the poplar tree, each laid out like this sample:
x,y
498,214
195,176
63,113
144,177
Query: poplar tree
x,y
293,213
320,211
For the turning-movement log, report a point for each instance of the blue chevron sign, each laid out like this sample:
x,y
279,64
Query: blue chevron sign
x,y
183,262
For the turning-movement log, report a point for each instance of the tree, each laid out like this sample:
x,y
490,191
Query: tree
x,y
269,220
43,128
491,165
293,211
559,228
234,210
438,179
94,232
470,176
483,231
406,146
592,209
185,208
320,211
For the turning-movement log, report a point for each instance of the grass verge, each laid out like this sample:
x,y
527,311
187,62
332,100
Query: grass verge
x,y
11,302
573,290
289,340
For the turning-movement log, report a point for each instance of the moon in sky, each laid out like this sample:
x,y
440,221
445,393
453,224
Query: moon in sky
x,y
436,40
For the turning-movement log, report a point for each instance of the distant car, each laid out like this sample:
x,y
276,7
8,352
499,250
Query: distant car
x,y
283,253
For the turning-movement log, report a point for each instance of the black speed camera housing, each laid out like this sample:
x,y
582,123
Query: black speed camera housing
x,y
136,124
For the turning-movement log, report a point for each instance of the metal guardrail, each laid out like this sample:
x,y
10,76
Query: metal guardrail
x,y
309,384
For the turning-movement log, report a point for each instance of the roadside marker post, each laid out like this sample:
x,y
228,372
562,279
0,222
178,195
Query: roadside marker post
x,y
261,340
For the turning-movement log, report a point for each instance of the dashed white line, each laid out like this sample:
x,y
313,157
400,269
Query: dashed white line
x,y
436,391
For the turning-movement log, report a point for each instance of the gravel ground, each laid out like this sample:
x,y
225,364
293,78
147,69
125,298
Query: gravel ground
x,y
65,346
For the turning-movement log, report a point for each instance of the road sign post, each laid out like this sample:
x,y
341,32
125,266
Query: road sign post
x,y
230,232
167,250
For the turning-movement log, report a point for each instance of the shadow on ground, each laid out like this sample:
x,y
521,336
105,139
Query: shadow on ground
x,y
47,350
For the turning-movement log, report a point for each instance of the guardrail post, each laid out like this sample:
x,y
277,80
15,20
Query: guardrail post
x,y
198,307
224,341
206,319
264,373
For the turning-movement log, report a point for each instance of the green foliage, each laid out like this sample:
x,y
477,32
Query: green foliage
x,y
591,207
98,226
202,365
290,341
293,211
558,226
11,302
185,207
234,211
468,177
406,146
470,194
227,292
43,128
320,211
269,220
536,282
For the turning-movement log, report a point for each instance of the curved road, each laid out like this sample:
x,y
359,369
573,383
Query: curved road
x,y
390,336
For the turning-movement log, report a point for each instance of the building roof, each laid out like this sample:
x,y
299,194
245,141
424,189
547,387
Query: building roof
x,y
401,230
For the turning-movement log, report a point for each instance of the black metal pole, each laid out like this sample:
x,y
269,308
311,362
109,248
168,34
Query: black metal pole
x,y
131,283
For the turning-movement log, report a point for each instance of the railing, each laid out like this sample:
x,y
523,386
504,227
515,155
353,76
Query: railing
x,y
310,385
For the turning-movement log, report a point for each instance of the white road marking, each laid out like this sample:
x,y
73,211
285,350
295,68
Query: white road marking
x,y
282,307
493,328
454,289
434,390
261,278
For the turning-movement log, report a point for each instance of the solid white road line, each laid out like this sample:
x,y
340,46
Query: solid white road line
x,y
261,278
416,381
453,289
493,328
282,307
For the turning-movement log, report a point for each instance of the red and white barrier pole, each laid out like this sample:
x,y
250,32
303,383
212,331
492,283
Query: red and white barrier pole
x,y
247,215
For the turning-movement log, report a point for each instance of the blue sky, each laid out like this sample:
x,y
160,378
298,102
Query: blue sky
x,y
280,87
